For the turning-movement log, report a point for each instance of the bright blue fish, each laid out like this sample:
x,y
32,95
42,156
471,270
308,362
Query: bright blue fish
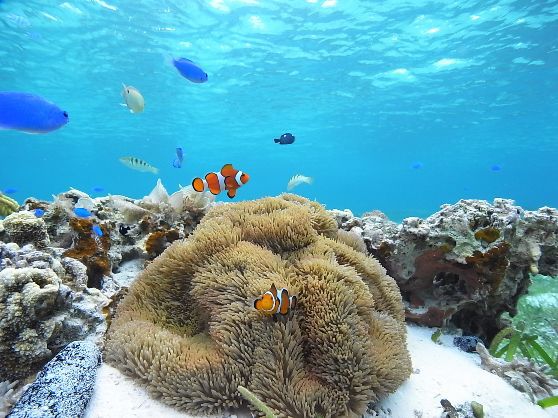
x,y
190,70
496,167
82,212
9,190
416,165
97,189
39,212
29,113
177,163
97,230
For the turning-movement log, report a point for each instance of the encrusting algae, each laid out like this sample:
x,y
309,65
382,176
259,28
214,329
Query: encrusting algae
x,y
189,330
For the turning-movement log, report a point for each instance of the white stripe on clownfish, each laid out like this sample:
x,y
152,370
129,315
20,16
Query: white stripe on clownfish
x,y
237,177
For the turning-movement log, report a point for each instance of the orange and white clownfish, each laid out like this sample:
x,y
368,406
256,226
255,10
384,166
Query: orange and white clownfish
x,y
275,302
228,179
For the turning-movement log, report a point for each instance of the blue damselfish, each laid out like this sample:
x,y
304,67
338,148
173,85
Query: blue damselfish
x,y
190,70
29,113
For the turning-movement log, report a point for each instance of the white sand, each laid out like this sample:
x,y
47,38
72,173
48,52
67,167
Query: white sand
x,y
442,371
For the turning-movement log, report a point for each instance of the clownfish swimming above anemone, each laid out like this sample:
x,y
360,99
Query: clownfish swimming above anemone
x,y
275,302
229,179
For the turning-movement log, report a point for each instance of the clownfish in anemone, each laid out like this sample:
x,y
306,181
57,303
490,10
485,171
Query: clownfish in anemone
x,y
275,302
229,179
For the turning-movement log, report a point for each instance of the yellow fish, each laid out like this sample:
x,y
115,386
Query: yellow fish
x,y
137,164
133,98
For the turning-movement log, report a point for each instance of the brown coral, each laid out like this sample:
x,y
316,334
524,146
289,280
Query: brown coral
x,y
188,329
158,241
92,251
488,235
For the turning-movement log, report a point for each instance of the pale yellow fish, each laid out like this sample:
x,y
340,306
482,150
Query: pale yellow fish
x,y
139,165
133,98
298,179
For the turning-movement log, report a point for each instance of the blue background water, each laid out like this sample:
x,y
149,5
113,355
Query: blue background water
x,y
371,89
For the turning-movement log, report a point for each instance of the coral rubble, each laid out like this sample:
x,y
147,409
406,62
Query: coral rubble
x,y
467,263
188,328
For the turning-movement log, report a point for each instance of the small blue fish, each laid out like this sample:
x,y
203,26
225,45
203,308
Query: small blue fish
x,y
177,163
82,213
29,113
97,230
190,70
416,165
496,167
97,189
39,212
9,190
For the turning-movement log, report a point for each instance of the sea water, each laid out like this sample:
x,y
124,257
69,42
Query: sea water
x,y
396,105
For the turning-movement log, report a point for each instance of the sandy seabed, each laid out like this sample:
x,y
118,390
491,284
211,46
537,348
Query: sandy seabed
x,y
439,371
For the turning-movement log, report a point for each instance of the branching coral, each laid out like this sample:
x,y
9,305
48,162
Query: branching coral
x,y
522,374
188,328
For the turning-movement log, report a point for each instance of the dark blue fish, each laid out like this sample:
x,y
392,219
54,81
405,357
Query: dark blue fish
x,y
285,139
96,229
177,163
496,167
39,212
97,189
417,165
82,212
29,113
9,190
190,70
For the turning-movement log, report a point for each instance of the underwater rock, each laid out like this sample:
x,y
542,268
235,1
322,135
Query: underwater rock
x,y
188,328
24,228
465,264
65,385
40,315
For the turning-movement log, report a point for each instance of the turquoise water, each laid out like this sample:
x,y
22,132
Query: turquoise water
x,y
465,91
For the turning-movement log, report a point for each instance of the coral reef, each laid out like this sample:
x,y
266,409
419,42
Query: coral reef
x,y
65,385
465,264
7,205
188,329
522,374
25,228
40,313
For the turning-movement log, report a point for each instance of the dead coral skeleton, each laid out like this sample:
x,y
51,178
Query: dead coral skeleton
x,y
521,373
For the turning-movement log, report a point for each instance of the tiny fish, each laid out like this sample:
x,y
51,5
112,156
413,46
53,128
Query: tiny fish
x,y
96,229
417,165
177,163
275,302
82,213
9,190
496,167
30,113
285,139
39,212
228,178
133,98
190,70
97,189
298,179
139,165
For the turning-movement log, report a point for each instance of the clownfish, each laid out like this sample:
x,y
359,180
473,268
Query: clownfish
x,y
228,179
275,302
